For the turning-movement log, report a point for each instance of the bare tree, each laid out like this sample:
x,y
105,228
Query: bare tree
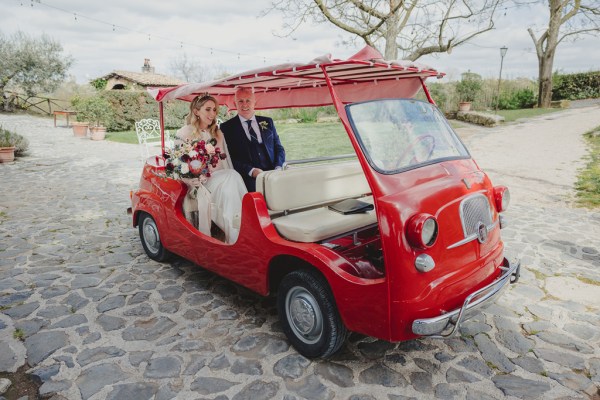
x,y
567,20
194,71
415,27
32,65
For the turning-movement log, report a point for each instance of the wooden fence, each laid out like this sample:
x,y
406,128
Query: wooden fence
x,y
40,104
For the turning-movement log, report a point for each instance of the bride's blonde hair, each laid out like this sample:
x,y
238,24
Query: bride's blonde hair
x,y
197,104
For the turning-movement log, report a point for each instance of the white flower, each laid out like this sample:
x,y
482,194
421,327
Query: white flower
x,y
210,149
184,168
193,154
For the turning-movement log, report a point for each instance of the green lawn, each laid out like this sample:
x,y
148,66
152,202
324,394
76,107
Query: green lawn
x,y
588,182
299,140
513,115
122,137
312,139
309,140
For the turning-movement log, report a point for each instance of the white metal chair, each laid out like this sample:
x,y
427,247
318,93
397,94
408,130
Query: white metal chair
x,y
148,134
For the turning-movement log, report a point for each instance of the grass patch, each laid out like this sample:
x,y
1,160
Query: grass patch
x,y
302,140
122,137
513,115
19,334
588,181
309,140
538,275
588,281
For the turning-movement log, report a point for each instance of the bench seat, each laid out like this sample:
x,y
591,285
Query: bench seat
x,y
297,200
321,223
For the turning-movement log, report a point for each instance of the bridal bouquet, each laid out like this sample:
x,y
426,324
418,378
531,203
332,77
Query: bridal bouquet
x,y
192,159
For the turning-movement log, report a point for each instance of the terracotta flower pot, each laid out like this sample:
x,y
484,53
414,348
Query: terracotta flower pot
x,y
7,154
464,106
97,132
80,129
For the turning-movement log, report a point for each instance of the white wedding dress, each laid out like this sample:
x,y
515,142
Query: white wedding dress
x,y
219,198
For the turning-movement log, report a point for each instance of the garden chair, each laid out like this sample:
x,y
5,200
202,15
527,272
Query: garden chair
x,y
148,133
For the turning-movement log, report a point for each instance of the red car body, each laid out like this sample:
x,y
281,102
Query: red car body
x,y
382,295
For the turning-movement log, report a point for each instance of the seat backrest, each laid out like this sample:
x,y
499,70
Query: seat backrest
x,y
147,130
148,133
309,186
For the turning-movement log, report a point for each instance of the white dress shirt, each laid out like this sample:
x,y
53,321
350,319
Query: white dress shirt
x,y
254,126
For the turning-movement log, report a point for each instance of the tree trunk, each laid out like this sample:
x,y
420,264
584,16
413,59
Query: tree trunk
x,y
545,79
392,32
546,48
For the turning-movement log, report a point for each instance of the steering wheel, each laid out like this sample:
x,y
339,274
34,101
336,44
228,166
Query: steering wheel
x,y
417,141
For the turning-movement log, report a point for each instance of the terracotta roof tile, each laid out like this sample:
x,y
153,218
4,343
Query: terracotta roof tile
x,y
146,78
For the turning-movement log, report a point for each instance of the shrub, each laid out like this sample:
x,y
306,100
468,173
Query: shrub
x,y
523,98
576,86
10,139
469,87
96,110
128,106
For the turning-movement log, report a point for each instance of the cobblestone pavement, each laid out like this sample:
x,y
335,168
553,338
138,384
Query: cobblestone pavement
x,y
95,318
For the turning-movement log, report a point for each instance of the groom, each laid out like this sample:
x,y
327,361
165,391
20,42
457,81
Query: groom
x,y
252,141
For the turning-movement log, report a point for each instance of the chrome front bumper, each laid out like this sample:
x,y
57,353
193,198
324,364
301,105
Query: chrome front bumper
x,y
447,324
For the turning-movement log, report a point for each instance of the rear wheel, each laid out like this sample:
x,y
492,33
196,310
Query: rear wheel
x,y
309,315
151,239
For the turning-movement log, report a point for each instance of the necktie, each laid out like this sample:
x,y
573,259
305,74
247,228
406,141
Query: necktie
x,y
251,131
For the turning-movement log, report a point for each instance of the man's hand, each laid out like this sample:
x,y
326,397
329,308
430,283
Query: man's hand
x,y
256,171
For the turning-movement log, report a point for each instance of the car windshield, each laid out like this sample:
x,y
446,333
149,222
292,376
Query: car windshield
x,y
401,134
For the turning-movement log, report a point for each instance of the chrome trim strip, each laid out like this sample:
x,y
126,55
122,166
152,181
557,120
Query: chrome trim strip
x,y
436,327
471,237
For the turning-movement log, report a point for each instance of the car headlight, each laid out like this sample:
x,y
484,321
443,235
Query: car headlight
x,y
422,231
502,198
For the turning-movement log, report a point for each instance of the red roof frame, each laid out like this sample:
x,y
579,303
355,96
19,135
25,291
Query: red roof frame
x,y
363,76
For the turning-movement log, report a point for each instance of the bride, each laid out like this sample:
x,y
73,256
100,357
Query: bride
x,y
219,198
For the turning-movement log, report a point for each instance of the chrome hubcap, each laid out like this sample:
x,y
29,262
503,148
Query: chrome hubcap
x,y
304,315
151,236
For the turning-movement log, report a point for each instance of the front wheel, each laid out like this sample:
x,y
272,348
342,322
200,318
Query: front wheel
x,y
309,315
151,239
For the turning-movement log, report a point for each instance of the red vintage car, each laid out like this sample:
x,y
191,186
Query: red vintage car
x,y
417,248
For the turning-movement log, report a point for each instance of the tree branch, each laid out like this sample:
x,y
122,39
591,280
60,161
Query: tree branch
x,y
369,10
336,22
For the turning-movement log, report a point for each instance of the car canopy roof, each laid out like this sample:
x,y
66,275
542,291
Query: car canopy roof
x,y
364,76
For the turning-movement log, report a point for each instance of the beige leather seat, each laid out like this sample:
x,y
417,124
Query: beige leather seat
x,y
297,200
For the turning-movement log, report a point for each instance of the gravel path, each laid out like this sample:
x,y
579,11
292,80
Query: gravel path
x,y
99,320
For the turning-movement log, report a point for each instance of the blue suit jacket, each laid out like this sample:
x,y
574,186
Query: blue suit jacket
x,y
238,146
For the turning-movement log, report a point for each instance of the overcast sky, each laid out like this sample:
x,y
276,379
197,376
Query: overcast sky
x,y
108,35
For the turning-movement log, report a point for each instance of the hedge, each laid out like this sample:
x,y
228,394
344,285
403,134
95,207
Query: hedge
x,y
130,106
576,86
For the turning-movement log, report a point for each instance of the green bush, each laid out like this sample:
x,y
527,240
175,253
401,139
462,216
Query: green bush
x,y
128,106
523,98
576,86
469,86
10,139
96,110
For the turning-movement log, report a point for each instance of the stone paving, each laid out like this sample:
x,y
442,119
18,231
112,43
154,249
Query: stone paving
x,y
94,318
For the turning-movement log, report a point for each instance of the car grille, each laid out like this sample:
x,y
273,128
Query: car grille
x,y
475,210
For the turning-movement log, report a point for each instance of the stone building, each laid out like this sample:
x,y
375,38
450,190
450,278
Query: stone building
x,y
129,80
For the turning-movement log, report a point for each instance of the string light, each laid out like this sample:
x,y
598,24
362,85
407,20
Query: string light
x,y
128,29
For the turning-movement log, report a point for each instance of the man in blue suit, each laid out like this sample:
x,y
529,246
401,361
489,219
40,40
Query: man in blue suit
x,y
252,140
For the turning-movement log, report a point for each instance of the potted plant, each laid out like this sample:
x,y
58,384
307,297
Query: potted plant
x,y
468,88
11,145
98,112
80,126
